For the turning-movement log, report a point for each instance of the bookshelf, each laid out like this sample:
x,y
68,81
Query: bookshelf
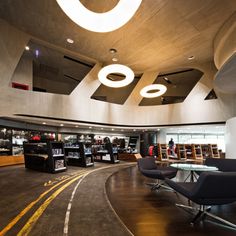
x,y
181,151
48,157
162,152
197,151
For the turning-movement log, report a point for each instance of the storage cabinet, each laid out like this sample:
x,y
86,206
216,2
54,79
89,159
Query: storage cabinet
x,y
48,157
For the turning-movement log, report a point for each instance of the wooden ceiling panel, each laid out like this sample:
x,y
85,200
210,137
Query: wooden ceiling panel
x,y
161,34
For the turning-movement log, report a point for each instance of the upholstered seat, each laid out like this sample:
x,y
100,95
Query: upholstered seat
x,y
150,169
211,188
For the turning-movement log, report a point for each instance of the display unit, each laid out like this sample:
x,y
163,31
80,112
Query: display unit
x,y
189,152
162,152
197,151
206,150
79,155
181,151
105,152
133,140
18,138
48,157
214,151
5,142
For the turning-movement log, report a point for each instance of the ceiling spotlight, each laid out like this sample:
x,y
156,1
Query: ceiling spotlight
x,y
191,58
112,129
70,40
44,123
100,22
61,125
90,127
112,50
116,68
145,92
27,48
115,59
76,126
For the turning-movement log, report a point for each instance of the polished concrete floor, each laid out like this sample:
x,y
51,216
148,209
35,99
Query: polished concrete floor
x,y
76,202
150,213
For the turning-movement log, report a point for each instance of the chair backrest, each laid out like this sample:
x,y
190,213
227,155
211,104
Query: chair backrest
x,y
147,163
215,188
226,165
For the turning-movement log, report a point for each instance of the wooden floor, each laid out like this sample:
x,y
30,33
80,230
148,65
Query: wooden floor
x,y
149,213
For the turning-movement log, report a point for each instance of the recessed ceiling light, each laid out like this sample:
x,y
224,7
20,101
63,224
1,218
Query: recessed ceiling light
x,y
27,48
90,127
44,123
114,59
145,92
116,68
158,129
70,40
112,129
76,126
61,125
191,57
112,50
100,22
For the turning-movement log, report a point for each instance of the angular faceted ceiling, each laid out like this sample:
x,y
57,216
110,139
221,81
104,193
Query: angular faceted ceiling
x,y
179,84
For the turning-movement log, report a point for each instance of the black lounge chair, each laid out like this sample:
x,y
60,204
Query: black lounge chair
x,y
150,169
211,188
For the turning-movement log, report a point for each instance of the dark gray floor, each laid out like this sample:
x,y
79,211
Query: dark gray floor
x,y
90,213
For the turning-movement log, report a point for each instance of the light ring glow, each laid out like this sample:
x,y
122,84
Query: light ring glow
x,y
145,91
100,22
116,68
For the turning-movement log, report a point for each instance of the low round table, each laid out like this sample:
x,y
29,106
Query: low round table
x,y
192,168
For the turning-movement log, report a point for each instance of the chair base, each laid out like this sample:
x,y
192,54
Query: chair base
x,y
158,185
202,212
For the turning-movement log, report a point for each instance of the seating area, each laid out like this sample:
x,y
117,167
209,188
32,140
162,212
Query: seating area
x,y
150,169
211,188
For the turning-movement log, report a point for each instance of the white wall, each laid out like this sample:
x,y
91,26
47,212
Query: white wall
x,y
230,138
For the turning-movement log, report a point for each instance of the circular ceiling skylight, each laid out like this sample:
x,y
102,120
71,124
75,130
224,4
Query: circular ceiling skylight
x,y
100,22
147,91
116,68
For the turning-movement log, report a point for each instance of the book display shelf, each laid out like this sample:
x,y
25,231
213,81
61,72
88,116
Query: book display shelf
x,y
162,152
79,154
181,151
48,157
197,151
105,152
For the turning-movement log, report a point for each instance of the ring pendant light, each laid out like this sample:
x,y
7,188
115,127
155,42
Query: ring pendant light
x,y
116,68
100,22
145,92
